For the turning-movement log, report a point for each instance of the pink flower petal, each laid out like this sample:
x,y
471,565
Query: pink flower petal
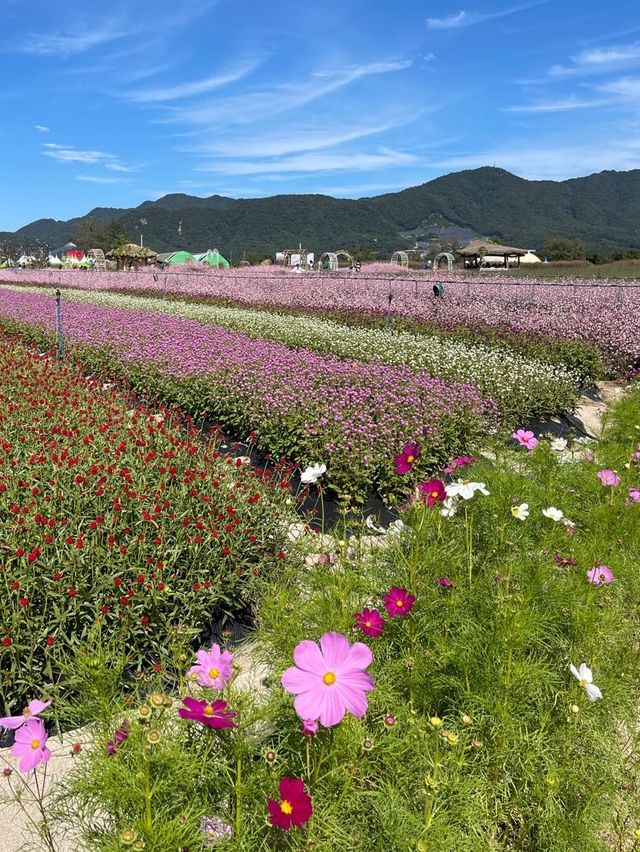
x,y
353,699
296,680
358,657
335,649
332,709
307,656
309,704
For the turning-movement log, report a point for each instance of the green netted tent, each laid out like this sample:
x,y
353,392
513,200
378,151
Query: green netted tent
x,y
212,257
180,257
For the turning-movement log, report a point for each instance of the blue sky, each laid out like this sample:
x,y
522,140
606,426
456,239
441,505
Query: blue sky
x,y
112,103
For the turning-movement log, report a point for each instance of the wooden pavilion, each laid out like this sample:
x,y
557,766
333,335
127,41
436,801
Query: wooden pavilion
x,y
478,249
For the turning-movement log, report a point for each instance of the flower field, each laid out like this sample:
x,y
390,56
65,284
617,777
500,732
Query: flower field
x,y
116,520
606,315
470,682
521,387
465,679
303,405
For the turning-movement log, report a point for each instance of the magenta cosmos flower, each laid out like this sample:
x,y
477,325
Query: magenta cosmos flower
x,y
213,714
330,678
31,745
294,806
601,575
407,458
525,439
213,668
31,711
634,495
370,622
398,601
309,727
432,492
444,582
608,478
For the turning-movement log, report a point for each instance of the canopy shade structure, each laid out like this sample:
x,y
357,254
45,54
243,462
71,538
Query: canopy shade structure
x,y
177,258
479,249
212,257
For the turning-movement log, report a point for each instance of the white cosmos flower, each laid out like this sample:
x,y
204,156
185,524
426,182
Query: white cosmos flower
x,y
559,444
584,677
553,513
520,512
465,489
449,507
312,473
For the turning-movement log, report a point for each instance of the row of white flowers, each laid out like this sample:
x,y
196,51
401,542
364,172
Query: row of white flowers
x,y
521,387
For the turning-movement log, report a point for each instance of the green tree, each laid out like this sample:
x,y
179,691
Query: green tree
x,y
563,248
89,233
115,235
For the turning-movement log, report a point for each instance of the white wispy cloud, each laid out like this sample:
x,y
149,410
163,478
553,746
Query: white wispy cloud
x,y
68,44
194,87
264,103
103,179
41,128
627,88
560,105
599,60
313,163
67,154
469,19
287,142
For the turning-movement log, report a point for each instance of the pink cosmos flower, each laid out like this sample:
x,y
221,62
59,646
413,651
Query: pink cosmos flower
x,y
31,711
294,806
601,575
119,737
608,478
432,492
456,463
213,714
398,602
309,727
525,439
370,622
634,495
444,582
407,458
213,668
31,745
330,678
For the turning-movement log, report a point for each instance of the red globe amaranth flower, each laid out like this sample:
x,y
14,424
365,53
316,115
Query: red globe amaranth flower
x,y
398,601
294,807
370,622
432,492
6,642
212,714
407,458
72,593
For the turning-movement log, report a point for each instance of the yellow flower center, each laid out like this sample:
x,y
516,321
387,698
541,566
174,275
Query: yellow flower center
x,y
410,459
285,807
399,603
329,678
434,493
35,744
26,712
367,624
214,673
583,682
208,710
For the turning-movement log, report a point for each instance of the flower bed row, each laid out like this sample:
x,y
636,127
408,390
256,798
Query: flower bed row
x,y
468,683
306,406
520,387
117,520
605,315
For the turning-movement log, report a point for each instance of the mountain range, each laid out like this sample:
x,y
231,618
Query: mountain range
x,y
602,210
